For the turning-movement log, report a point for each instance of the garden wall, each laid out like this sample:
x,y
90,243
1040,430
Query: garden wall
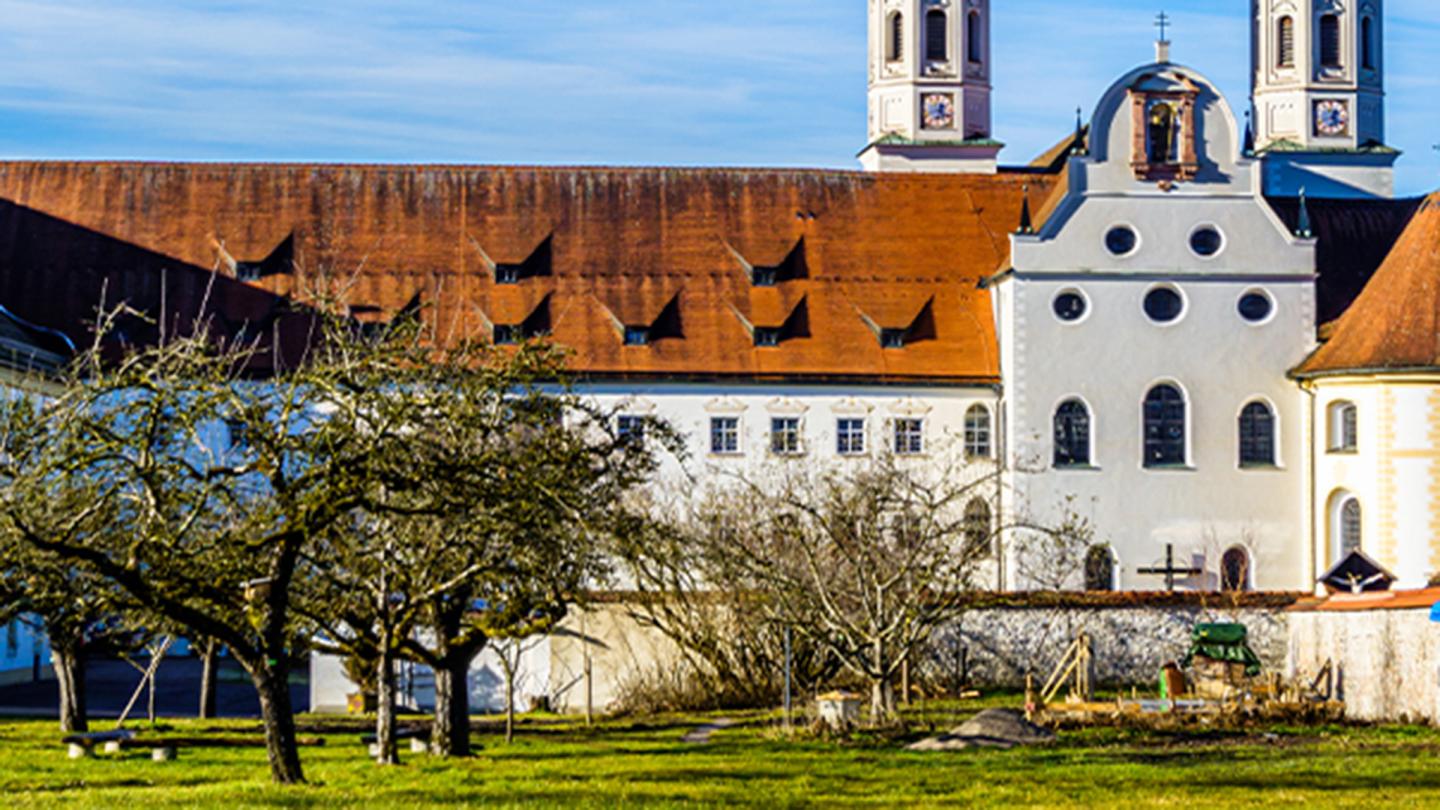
x,y
1133,634
1387,662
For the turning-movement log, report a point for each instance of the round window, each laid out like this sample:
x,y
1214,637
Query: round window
x,y
1164,305
1255,306
1121,240
1206,241
1070,306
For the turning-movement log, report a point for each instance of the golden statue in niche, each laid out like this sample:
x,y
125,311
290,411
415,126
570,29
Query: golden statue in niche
x,y
1163,141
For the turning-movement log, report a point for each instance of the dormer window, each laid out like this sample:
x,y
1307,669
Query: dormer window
x,y
892,338
765,276
767,337
637,336
507,274
506,335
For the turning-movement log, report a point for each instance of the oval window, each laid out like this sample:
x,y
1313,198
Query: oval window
x,y
1164,305
1206,242
1070,306
1256,307
1121,241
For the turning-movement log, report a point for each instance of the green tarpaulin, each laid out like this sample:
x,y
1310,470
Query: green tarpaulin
x,y
1223,642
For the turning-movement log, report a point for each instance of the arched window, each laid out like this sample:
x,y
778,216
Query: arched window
x,y
1072,434
895,46
1344,427
1330,40
974,39
977,432
1099,569
1235,570
977,529
1257,436
1165,427
937,36
1367,43
1285,42
1347,529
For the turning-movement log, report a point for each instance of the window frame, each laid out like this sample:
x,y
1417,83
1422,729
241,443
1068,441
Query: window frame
x,y
895,44
1342,417
976,510
842,435
1089,436
629,427
932,40
907,435
974,38
1340,507
1252,461
732,432
975,445
1113,568
1285,42
1166,462
1330,42
1246,582
1367,44
793,428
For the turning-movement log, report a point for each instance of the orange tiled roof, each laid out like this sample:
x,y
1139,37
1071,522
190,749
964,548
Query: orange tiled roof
x,y
1395,323
1381,600
595,250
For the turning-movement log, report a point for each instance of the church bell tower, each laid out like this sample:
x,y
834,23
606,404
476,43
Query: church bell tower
x,y
1318,93
929,73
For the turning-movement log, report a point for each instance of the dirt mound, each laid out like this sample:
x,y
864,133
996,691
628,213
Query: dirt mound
x,y
992,728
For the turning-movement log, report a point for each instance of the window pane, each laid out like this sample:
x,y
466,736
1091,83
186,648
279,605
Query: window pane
x,y
1350,530
936,37
897,37
1164,427
630,428
1235,570
1330,40
850,437
1099,569
1286,45
1072,435
785,436
1257,435
974,39
909,436
977,431
977,528
725,435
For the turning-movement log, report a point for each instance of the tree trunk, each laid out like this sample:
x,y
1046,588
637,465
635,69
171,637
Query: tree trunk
x,y
209,660
272,684
385,706
509,700
882,701
450,736
69,665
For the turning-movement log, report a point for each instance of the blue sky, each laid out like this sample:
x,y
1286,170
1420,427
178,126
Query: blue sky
x,y
684,82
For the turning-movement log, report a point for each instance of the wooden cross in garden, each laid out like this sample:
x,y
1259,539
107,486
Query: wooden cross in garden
x,y
1169,571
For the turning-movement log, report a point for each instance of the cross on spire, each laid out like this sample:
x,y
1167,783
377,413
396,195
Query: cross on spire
x,y
1162,21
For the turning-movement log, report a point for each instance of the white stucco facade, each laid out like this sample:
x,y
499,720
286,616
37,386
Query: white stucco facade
x,y
1391,470
1114,353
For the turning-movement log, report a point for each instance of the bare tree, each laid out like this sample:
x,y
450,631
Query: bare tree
x,y
865,562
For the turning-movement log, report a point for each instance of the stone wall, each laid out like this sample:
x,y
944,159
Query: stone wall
x,y
1131,642
1387,662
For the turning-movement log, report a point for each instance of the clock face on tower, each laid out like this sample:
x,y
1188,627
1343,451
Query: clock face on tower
x,y
938,110
1332,118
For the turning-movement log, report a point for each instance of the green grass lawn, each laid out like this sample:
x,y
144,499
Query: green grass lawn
x,y
559,762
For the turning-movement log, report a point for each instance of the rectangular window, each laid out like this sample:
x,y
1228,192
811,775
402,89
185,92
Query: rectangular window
x,y
909,437
506,335
507,274
637,336
767,336
630,428
785,436
850,437
239,434
892,338
725,435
